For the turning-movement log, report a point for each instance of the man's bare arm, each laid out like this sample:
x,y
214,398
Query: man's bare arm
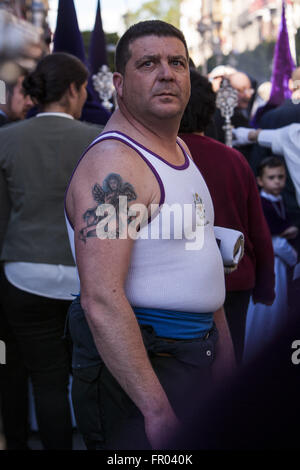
x,y
103,266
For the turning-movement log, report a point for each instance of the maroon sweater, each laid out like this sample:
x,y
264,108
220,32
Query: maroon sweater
x,y
237,205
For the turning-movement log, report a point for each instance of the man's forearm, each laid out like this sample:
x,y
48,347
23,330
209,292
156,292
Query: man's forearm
x,y
119,342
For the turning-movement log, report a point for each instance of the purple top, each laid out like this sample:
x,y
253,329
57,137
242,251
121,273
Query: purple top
x,y
283,66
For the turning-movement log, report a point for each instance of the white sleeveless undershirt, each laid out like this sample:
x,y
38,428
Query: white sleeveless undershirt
x,y
170,273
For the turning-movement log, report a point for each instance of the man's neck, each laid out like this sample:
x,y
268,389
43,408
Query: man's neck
x,y
162,141
57,108
148,132
199,133
270,196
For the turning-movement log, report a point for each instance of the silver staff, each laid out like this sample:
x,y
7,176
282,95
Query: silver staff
x,y
39,10
227,100
103,84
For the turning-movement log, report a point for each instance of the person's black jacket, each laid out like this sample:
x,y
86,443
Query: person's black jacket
x,y
283,115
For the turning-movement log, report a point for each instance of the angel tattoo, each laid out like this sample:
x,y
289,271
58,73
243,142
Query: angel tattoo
x,y
112,187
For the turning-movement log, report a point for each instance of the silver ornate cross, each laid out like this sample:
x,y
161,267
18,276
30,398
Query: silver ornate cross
x,y
227,100
103,84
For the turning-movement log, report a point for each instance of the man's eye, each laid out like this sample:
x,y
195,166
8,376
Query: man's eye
x,y
177,62
148,63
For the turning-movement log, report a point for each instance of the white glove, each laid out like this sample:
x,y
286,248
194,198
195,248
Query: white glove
x,y
240,136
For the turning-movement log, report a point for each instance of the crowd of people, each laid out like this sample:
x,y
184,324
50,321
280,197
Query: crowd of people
x,y
91,286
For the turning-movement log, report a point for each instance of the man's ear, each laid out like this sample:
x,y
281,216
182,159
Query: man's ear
x,y
259,181
73,91
118,81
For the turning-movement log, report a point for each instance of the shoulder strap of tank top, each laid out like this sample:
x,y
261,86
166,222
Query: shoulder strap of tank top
x,y
141,149
127,139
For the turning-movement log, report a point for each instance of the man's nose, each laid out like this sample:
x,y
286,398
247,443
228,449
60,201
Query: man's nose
x,y
28,102
165,71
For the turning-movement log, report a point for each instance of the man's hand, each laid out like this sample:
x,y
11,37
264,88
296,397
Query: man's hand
x,y
290,233
240,136
244,136
160,428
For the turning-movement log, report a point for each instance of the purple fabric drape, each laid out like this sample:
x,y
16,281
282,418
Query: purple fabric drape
x,y
67,37
283,66
97,49
97,57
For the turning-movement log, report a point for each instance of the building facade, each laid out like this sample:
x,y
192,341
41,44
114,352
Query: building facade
x,y
234,25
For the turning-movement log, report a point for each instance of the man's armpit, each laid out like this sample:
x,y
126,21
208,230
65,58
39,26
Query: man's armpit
x,y
109,217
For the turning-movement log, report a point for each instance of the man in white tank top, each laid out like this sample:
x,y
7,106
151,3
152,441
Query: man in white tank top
x,y
138,157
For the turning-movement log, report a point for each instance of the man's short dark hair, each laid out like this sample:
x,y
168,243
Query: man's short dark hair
x,y
201,107
138,30
269,162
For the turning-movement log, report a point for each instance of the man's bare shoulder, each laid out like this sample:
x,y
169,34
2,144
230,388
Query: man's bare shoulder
x,y
107,164
111,152
184,145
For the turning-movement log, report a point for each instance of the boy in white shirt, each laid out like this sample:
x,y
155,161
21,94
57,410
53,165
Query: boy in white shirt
x,y
264,322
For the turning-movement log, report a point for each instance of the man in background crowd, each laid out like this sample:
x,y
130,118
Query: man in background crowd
x,y
17,103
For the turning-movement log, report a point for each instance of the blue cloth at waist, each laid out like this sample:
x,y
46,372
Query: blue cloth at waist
x,y
174,324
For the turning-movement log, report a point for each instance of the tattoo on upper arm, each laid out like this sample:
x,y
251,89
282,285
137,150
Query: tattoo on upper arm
x,y
107,206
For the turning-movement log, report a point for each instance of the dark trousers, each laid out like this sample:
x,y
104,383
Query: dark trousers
x,y
106,416
38,325
13,390
236,306
108,419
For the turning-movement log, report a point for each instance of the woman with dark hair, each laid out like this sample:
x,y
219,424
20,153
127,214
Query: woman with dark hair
x,y
237,205
38,276
58,81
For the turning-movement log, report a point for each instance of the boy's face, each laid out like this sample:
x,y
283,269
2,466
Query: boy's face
x,y
272,180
